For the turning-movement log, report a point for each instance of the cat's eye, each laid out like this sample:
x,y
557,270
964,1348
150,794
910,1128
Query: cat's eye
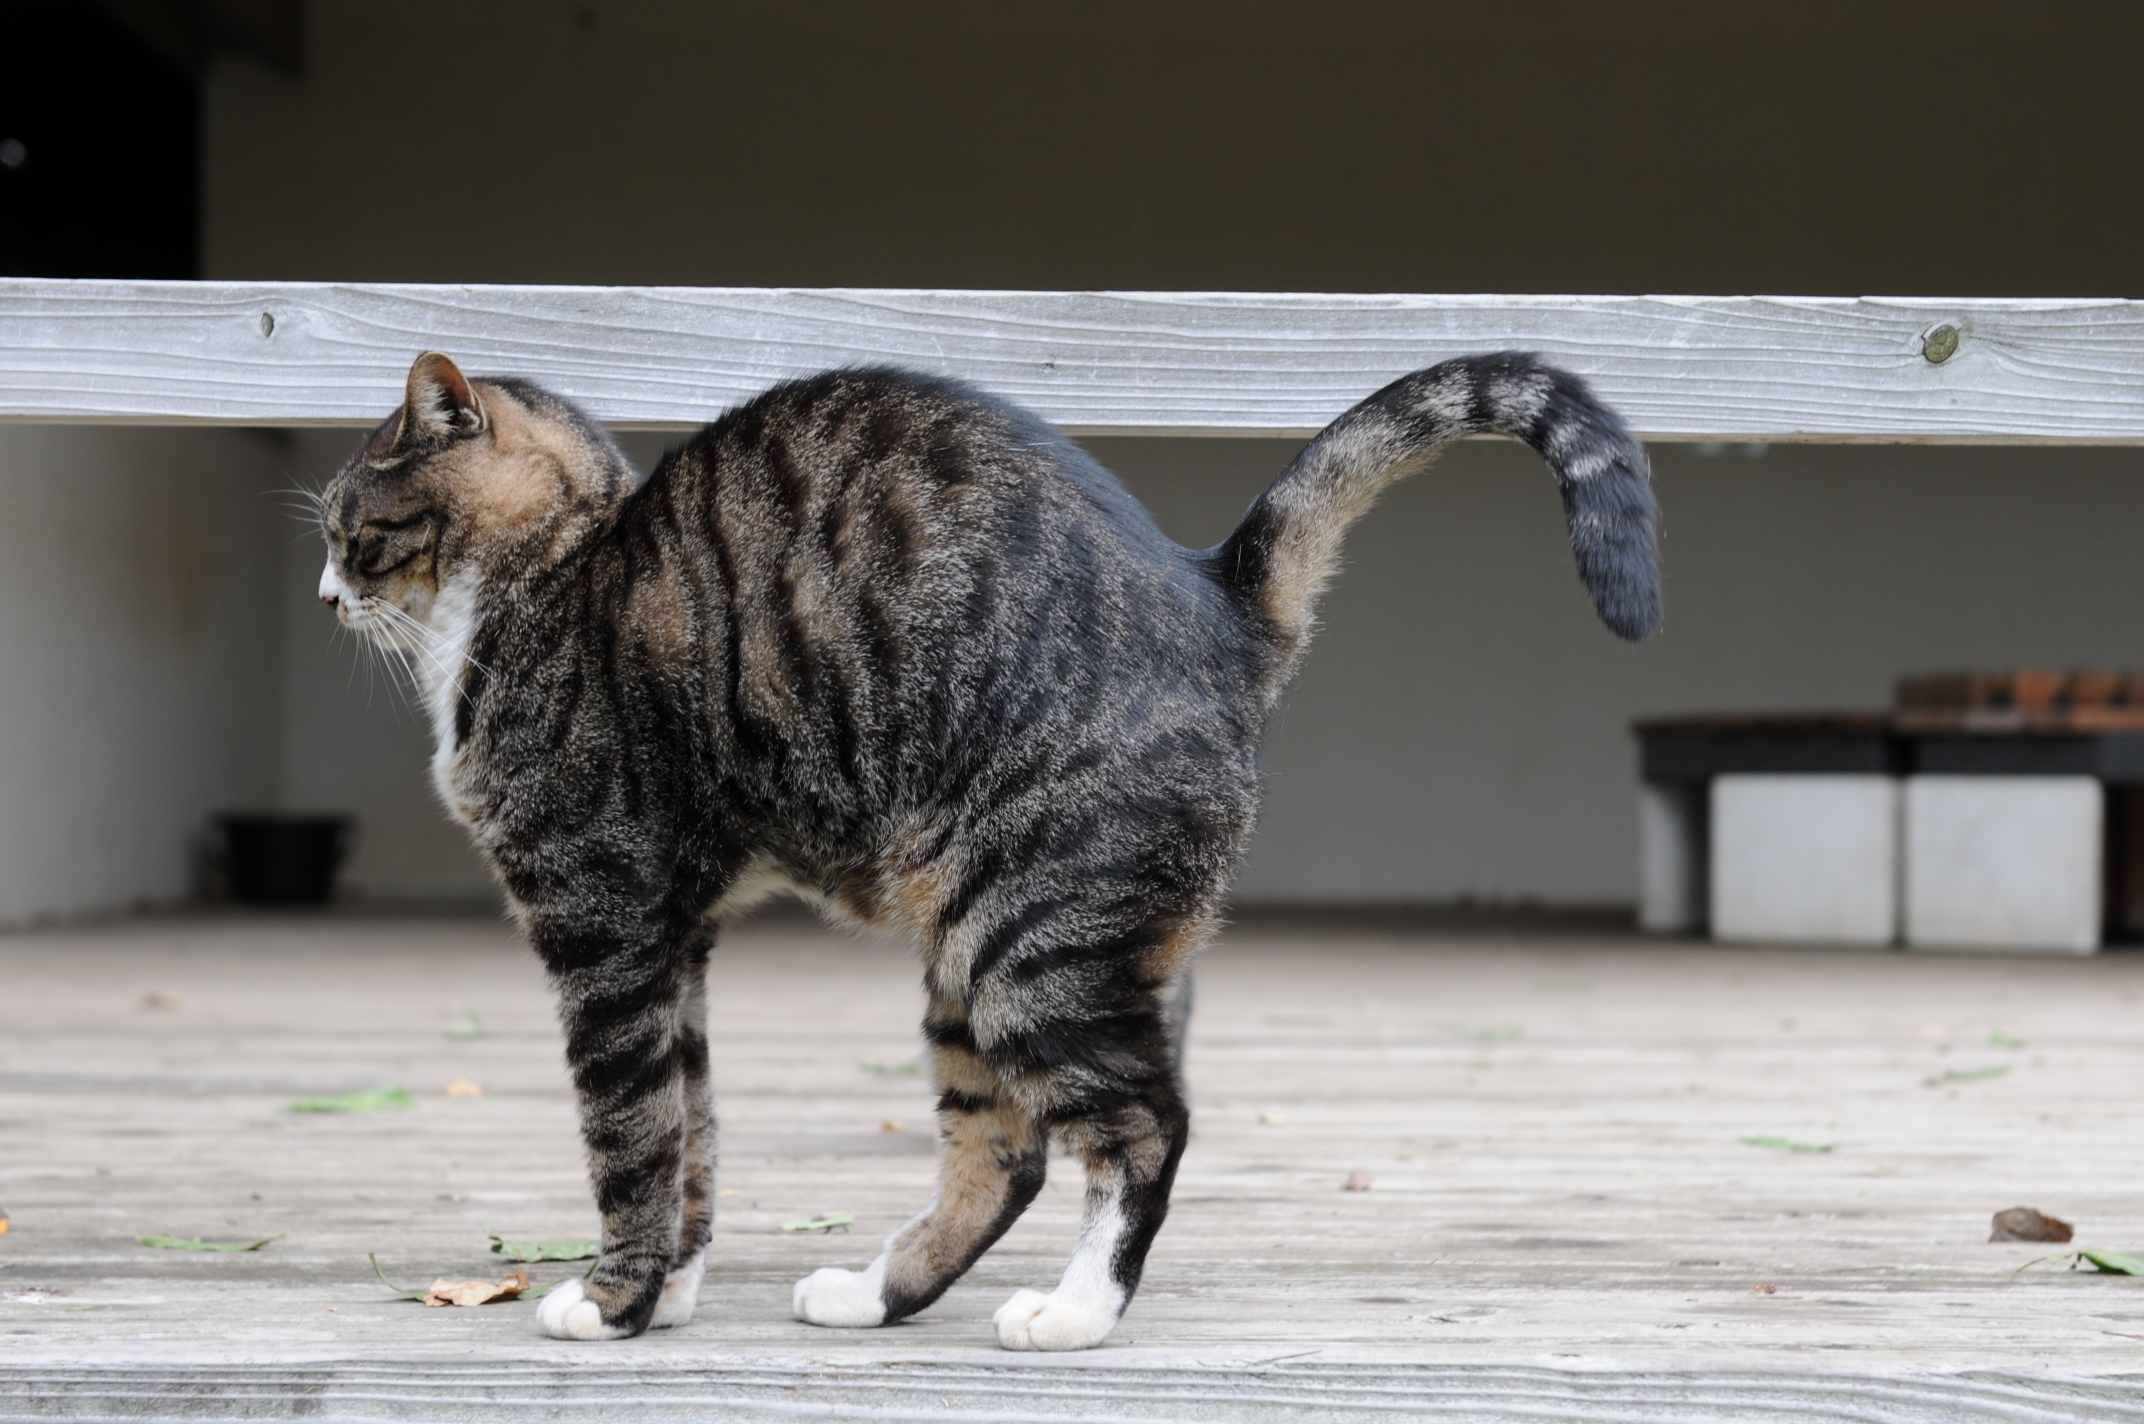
x,y
381,549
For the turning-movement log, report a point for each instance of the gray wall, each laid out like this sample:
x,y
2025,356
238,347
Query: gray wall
x,y
138,657
1460,729
1960,147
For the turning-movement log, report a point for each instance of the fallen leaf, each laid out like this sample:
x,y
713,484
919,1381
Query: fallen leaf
x,y
370,1100
1357,1181
445,1292
534,1251
892,1070
825,1221
163,1003
1966,1075
1789,1145
2022,1223
466,1027
195,1243
3,1223
1767,1288
889,1125
1274,1119
501,1290
463,1088
1999,1039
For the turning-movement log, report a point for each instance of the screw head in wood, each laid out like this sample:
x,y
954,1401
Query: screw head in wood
x,y
1938,343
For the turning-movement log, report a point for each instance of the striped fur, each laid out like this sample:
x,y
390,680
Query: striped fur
x,y
881,641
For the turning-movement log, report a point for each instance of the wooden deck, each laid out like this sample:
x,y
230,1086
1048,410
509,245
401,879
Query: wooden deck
x,y
1563,1221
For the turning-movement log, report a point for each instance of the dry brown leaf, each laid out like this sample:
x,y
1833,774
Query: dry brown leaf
x,y
463,1088
1357,1181
1766,1288
3,1223
2022,1223
161,1003
445,1292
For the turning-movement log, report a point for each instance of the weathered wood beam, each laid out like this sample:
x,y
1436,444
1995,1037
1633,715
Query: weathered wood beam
x,y
1681,368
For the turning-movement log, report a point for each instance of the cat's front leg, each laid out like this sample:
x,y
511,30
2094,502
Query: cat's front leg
x,y
626,1010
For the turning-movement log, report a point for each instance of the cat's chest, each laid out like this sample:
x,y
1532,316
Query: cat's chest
x,y
453,626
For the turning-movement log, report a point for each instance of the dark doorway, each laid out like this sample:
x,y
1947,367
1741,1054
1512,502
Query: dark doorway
x,y
99,148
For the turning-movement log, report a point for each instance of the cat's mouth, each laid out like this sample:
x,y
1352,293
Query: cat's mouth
x,y
383,621
373,616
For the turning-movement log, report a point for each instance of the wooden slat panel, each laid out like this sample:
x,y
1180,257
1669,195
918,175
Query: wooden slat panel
x,y
1681,368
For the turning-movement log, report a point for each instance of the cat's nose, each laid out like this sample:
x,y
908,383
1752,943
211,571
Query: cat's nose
x,y
331,588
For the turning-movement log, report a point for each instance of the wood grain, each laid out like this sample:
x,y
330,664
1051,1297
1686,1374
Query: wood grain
x,y
1681,368
1567,1218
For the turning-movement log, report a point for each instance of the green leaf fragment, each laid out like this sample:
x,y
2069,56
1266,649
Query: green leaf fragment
x,y
404,1291
1999,1039
195,1243
2106,1263
825,1221
890,1070
1966,1075
370,1100
1789,1145
468,1026
533,1251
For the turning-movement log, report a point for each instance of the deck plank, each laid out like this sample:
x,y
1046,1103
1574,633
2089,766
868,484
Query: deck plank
x,y
1552,1126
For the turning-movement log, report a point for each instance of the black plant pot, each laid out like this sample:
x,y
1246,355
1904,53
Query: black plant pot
x,y
284,860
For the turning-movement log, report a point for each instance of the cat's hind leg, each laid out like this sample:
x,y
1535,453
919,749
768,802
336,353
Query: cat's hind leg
x,y
1130,1155
992,1157
681,1287
1089,1032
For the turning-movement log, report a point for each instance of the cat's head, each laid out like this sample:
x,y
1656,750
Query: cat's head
x,y
470,480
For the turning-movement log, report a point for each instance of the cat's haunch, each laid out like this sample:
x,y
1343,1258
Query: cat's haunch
x,y
893,646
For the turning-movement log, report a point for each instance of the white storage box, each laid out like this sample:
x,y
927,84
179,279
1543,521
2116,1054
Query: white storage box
x,y
1807,858
2003,862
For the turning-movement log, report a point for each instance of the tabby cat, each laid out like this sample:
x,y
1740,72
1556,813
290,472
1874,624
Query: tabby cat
x,y
880,640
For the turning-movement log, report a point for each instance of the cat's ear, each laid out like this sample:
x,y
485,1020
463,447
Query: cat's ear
x,y
440,404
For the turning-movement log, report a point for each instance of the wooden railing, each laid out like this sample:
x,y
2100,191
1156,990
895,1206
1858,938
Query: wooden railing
x,y
1680,368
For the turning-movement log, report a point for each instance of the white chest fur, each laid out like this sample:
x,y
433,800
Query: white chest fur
x,y
444,674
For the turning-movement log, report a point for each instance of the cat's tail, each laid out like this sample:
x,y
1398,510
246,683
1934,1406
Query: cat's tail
x,y
1281,555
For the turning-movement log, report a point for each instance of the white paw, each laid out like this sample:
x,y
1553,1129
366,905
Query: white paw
x,y
681,1292
830,1296
1034,1321
567,1314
